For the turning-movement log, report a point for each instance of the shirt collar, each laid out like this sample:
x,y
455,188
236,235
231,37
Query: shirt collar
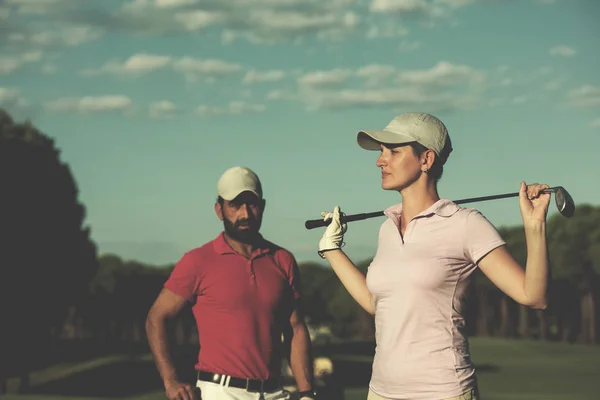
x,y
222,247
443,208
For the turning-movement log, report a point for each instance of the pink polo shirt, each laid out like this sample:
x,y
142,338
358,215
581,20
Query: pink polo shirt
x,y
240,305
418,285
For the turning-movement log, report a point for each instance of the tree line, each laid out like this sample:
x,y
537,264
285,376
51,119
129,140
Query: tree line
x,y
55,286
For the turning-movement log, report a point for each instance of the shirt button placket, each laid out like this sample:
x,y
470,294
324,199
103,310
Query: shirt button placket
x,y
409,230
251,271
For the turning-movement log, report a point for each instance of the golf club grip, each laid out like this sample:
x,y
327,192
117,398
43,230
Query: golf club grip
x,y
316,223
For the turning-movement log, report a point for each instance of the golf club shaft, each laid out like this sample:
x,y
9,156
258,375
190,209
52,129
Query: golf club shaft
x,y
316,223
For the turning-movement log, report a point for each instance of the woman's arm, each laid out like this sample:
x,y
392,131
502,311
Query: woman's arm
x,y
352,279
527,287
329,248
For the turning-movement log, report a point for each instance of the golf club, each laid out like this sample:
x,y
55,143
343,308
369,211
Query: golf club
x,y
564,204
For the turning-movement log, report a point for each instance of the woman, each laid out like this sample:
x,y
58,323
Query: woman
x,y
428,248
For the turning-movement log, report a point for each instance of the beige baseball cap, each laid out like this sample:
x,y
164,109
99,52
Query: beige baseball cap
x,y
410,127
237,180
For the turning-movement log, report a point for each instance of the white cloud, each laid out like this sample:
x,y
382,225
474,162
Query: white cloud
x,y
463,3
163,109
8,65
66,36
554,84
255,21
388,29
443,74
173,3
11,98
74,36
595,123
49,69
563,51
269,21
140,5
519,99
34,6
4,13
199,19
194,69
394,97
145,63
137,64
375,74
91,104
585,96
280,94
330,78
233,108
407,46
455,3
273,75
444,86
406,7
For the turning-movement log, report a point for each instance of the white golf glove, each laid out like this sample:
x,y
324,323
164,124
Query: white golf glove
x,y
333,238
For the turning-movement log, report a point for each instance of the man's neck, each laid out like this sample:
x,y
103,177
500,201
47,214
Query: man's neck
x,y
245,249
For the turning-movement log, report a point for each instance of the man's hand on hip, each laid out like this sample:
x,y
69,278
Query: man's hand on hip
x,y
175,390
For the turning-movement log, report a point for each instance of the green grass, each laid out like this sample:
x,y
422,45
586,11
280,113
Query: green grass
x,y
508,370
526,370
536,370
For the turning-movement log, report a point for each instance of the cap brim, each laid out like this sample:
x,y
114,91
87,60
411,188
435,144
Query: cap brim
x,y
372,139
230,195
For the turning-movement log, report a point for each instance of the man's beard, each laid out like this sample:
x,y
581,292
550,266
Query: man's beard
x,y
247,236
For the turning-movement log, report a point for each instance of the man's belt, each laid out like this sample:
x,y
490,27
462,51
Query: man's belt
x,y
251,385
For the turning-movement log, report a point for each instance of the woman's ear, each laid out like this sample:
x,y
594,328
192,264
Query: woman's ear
x,y
428,159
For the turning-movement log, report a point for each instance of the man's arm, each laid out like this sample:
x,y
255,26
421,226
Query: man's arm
x,y
166,306
300,352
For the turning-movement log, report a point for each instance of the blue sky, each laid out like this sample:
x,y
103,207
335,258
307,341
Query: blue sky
x,y
151,100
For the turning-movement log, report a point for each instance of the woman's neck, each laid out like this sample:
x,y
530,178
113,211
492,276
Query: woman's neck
x,y
417,198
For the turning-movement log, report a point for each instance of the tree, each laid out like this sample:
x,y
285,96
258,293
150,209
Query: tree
x,y
316,282
350,320
574,247
46,254
516,245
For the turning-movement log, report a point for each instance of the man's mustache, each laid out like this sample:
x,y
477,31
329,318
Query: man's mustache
x,y
243,222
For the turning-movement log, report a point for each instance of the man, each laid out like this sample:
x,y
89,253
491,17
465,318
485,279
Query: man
x,y
244,292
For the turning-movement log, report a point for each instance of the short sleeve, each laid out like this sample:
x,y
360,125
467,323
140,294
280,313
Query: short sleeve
x,y
294,277
480,237
184,280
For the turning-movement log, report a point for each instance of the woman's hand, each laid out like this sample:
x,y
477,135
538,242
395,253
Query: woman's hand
x,y
533,203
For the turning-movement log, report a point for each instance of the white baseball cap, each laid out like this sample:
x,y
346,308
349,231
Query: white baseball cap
x,y
237,180
410,127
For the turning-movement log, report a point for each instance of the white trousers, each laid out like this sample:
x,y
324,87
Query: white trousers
x,y
214,391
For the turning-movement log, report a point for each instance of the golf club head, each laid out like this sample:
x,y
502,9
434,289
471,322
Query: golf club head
x,y
564,202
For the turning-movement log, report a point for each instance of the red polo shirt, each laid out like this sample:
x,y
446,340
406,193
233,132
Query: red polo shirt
x,y
238,304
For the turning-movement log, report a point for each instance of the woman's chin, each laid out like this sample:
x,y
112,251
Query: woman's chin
x,y
388,186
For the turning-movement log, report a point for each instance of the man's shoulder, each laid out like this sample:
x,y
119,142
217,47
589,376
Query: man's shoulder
x,y
279,251
201,252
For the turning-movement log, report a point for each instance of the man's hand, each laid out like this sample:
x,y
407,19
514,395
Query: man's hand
x,y
175,390
334,233
307,395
